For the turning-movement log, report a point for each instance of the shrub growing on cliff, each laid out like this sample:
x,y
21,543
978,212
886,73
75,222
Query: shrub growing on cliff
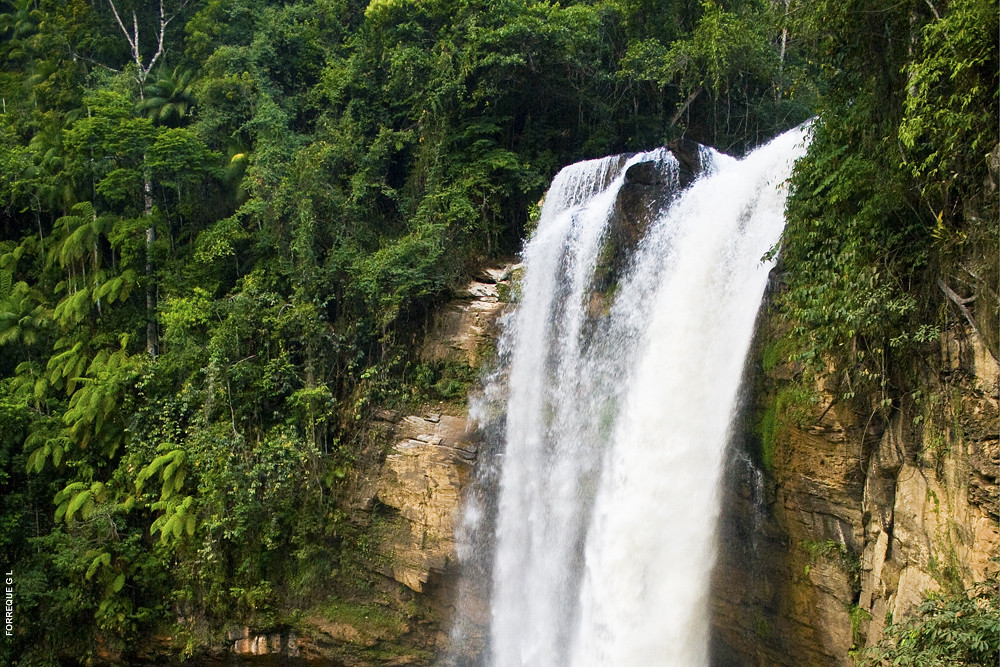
x,y
945,630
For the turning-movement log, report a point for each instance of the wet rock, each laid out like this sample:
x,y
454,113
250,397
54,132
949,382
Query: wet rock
x,y
688,154
644,173
866,517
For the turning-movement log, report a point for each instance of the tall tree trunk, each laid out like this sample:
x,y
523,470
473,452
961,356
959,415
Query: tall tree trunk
x,y
152,347
132,37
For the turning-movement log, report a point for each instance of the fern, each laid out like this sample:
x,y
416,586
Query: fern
x,y
178,517
102,559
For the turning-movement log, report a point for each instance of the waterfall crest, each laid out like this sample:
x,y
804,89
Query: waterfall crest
x,y
618,402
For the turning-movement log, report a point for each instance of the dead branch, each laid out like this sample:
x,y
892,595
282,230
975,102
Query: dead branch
x,y
960,302
133,38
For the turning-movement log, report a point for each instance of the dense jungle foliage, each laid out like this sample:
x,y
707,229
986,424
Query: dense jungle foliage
x,y
224,222
893,224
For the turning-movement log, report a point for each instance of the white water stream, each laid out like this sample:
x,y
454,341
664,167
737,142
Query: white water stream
x,y
618,416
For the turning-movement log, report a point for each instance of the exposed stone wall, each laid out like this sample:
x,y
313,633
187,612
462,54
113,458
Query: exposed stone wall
x,y
422,480
939,527
403,496
465,329
859,518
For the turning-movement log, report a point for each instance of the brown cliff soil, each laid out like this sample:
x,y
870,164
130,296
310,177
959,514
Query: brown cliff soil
x,y
861,509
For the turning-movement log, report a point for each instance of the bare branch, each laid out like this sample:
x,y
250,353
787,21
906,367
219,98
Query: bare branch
x,y
164,21
132,43
951,294
687,103
118,18
133,37
78,56
960,302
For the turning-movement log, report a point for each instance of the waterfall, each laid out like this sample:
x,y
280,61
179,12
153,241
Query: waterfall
x,y
618,398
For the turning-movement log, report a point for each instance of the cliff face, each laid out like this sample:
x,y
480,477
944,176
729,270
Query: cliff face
x,y
392,593
861,512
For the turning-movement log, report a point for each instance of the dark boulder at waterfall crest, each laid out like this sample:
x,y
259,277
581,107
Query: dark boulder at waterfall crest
x,y
649,186
644,173
688,154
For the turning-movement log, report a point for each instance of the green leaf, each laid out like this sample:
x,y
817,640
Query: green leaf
x,y
103,558
79,500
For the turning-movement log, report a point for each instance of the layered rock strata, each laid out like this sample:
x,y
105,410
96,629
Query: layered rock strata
x,y
860,515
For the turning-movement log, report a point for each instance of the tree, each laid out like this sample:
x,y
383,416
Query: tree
x,y
170,98
145,64
142,70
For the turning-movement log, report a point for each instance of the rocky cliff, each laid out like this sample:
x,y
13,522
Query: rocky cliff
x,y
392,593
843,509
862,508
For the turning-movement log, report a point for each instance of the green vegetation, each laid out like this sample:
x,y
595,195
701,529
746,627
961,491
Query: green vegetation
x,y
858,618
954,629
442,380
791,406
892,207
761,627
224,223
371,620
839,554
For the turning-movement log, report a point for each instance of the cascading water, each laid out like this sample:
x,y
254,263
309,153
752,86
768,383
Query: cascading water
x,y
618,404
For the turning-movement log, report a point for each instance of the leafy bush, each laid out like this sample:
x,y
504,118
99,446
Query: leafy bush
x,y
945,630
